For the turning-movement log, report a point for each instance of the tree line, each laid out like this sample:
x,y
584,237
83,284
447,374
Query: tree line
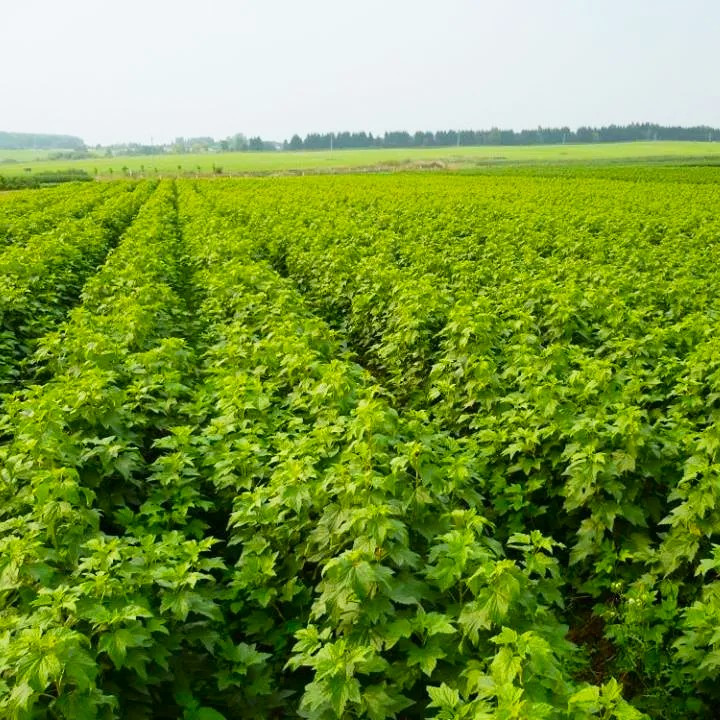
x,y
496,136
439,138
393,139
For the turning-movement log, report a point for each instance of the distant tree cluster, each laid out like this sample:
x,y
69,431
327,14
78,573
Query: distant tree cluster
x,y
496,136
233,143
195,145
32,141
133,149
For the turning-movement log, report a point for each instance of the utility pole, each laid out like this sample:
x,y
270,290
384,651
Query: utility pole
x,y
331,142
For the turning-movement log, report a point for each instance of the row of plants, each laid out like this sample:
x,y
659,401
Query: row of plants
x,y
209,510
674,170
95,581
25,214
42,179
568,329
42,277
422,446
362,576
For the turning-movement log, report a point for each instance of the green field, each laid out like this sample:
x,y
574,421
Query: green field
x,y
284,162
26,157
391,446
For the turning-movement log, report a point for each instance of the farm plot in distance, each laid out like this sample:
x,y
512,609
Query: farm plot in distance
x,y
29,164
362,446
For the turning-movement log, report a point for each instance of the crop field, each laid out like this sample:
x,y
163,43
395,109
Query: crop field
x,y
362,446
342,160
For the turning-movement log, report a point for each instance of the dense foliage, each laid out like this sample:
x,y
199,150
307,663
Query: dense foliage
x,y
361,447
48,254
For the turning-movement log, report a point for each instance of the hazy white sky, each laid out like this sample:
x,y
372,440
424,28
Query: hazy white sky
x,y
111,70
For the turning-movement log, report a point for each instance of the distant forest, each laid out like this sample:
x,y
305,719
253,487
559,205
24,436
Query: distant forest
x,y
495,136
32,141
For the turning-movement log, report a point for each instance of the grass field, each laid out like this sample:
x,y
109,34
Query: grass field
x,y
284,162
22,156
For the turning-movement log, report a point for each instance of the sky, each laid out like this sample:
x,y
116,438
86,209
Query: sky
x,y
153,70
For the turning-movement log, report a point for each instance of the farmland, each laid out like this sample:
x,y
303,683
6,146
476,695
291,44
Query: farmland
x,y
410,445
31,161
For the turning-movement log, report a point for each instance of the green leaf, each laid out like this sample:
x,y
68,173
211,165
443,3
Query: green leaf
x,y
443,697
426,657
587,699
